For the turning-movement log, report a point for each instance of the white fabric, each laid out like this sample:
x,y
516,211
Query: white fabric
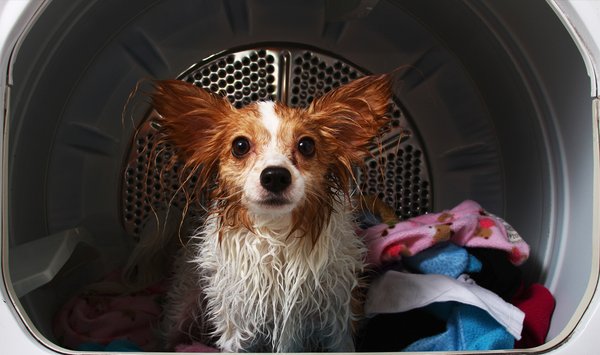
x,y
396,292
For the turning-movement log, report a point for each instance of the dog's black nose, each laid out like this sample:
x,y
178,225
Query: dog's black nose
x,y
275,179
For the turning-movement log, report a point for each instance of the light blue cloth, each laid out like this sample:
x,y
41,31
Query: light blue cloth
x,y
118,345
468,328
443,259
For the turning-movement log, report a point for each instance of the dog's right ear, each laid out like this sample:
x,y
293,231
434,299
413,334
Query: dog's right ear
x,y
190,120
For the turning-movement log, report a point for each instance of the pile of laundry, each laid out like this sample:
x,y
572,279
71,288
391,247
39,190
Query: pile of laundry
x,y
449,281
440,282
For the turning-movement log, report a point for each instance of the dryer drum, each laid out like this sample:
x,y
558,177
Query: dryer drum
x,y
495,95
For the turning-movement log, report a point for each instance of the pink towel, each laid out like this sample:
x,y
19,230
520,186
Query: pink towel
x,y
466,225
100,316
195,348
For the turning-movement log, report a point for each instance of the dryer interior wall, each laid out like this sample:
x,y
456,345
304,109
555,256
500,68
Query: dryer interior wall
x,y
501,125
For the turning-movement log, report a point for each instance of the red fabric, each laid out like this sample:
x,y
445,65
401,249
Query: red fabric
x,y
538,305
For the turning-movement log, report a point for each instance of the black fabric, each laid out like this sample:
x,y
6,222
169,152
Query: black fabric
x,y
497,273
395,331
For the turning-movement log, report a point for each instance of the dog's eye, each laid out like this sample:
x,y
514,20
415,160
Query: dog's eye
x,y
240,147
306,146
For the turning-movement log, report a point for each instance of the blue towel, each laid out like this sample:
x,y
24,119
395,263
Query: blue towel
x,y
468,328
444,259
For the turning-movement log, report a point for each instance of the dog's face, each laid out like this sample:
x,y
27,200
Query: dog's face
x,y
273,159
270,159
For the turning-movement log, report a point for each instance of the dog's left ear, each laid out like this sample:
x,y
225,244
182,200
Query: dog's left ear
x,y
352,114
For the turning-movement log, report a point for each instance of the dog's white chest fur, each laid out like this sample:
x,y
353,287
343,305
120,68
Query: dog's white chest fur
x,y
267,291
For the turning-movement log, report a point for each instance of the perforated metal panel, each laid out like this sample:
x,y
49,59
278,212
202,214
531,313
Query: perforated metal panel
x,y
242,77
149,182
397,174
